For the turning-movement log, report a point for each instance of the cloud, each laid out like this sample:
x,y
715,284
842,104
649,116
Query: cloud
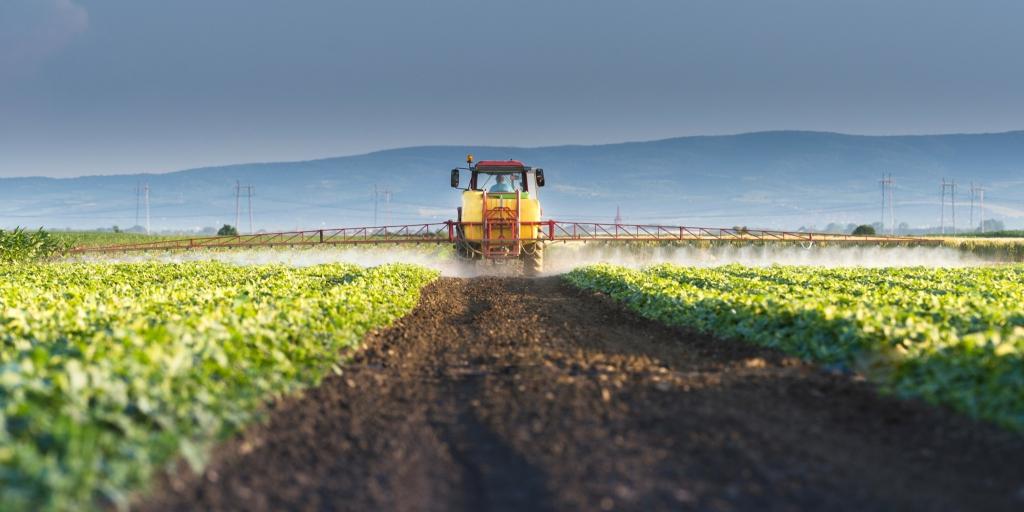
x,y
757,197
1006,211
435,212
579,191
32,30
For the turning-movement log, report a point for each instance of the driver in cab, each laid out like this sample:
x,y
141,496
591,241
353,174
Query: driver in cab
x,y
503,185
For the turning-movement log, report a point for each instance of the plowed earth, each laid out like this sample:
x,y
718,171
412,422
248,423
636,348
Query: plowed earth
x,y
520,394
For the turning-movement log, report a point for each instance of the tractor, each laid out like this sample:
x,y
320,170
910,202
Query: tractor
x,y
500,217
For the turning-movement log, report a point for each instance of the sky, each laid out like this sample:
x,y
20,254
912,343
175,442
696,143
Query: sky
x,y
108,87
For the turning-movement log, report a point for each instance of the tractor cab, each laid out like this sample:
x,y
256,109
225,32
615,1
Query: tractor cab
x,y
500,177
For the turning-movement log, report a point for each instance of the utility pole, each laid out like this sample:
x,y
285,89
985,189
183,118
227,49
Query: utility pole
x,y
618,216
952,204
145,198
892,205
971,217
378,195
885,185
250,191
138,201
951,186
981,208
981,191
888,202
238,194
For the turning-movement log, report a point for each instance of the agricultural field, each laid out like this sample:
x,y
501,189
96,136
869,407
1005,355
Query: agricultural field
x,y
277,380
429,256
953,337
111,370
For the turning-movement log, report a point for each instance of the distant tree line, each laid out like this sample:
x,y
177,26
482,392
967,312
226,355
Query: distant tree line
x,y
990,227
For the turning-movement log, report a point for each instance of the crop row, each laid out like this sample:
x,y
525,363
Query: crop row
x,y
108,372
96,238
950,336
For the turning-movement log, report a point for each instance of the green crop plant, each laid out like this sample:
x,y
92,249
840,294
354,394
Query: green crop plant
x,y
109,372
20,245
953,337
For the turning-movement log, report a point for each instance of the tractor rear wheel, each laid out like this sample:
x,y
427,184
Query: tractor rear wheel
x,y
533,261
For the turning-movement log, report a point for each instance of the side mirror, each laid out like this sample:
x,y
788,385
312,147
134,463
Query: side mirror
x,y
455,178
540,177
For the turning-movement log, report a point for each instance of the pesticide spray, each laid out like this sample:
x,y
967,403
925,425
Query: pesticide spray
x,y
561,258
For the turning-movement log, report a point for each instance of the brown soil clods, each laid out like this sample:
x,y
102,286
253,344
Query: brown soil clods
x,y
524,394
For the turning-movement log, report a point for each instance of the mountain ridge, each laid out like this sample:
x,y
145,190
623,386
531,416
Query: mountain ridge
x,y
524,148
780,178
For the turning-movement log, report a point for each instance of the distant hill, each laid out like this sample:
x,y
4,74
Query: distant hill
x,y
784,179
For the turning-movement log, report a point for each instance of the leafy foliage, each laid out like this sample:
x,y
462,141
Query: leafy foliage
x,y
109,371
864,229
19,245
951,336
227,230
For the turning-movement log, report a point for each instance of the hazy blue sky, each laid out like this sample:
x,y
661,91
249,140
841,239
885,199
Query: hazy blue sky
x,y
104,86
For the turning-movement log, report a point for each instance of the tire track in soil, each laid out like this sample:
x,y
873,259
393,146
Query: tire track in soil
x,y
526,394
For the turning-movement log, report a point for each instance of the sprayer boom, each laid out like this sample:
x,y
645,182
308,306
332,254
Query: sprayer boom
x,y
542,231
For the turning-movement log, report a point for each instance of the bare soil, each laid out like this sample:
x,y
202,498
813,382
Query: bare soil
x,y
526,394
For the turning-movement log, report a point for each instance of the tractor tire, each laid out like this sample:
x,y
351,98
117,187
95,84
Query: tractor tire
x,y
533,260
462,248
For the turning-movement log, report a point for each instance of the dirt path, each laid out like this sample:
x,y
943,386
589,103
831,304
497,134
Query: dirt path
x,y
516,394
